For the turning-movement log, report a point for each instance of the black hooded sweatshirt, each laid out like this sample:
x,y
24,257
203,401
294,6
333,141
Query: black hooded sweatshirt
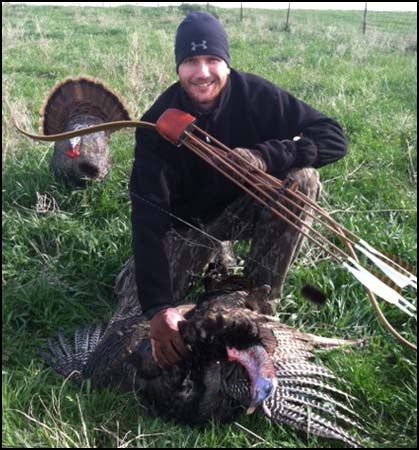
x,y
169,181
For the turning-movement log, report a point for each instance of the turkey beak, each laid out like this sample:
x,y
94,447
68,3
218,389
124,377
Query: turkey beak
x,y
261,390
260,370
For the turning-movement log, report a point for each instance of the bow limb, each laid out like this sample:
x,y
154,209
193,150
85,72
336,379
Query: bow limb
x,y
106,126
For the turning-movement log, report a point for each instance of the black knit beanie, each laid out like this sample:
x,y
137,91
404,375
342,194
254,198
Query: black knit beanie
x,y
201,34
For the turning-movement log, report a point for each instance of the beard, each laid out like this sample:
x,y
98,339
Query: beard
x,y
204,93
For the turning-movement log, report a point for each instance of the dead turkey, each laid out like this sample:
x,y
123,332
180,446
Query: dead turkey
x,y
73,104
240,359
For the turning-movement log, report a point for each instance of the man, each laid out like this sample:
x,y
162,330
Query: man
x,y
171,188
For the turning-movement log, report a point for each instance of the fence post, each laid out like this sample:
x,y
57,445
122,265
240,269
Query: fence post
x,y
241,11
287,27
364,22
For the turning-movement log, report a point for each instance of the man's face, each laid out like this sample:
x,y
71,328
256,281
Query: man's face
x,y
203,78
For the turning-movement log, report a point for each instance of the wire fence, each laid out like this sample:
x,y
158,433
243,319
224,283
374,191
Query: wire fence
x,y
364,20
288,17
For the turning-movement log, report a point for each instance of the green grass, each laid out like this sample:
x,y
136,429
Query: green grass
x,y
62,249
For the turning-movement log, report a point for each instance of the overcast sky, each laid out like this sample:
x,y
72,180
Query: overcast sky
x,y
372,6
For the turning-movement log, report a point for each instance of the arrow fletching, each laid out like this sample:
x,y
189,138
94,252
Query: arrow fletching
x,y
379,288
402,269
398,278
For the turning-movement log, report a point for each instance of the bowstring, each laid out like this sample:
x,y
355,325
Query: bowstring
x,y
194,227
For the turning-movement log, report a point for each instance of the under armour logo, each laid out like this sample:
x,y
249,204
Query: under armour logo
x,y
203,45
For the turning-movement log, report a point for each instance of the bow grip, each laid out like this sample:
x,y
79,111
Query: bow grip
x,y
173,123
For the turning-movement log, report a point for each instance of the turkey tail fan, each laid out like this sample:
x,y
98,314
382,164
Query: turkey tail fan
x,y
69,359
307,402
82,96
301,416
306,397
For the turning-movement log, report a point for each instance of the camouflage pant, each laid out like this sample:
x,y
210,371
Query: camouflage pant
x,y
274,244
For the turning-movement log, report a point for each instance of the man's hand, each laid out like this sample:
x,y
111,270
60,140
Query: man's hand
x,y
253,157
167,346
306,152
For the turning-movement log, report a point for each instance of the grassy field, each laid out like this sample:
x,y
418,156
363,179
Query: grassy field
x,y
62,249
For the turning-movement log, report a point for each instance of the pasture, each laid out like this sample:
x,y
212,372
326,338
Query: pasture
x,y
62,248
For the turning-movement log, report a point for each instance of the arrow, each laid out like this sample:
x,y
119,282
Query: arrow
x,y
379,288
400,279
